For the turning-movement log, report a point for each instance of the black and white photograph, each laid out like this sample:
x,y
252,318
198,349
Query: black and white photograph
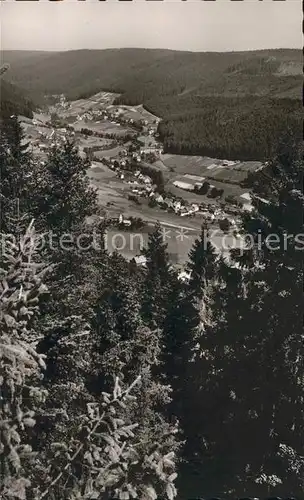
x,y
151,250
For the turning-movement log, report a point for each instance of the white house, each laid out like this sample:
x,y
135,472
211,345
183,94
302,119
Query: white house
x,y
227,163
183,185
247,206
159,199
195,207
140,260
246,196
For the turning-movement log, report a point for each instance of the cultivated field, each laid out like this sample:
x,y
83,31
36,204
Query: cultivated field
x,y
113,196
103,98
191,197
193,169
146,114
98,101
100,172
41,117
103,127
96,142
205,166
135,113
109,153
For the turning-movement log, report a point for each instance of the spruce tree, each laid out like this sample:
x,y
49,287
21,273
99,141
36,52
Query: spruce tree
x,y
274,340
253,362
21,367
17,169
197,303
219,369
66,198
201,264
156,284
179,338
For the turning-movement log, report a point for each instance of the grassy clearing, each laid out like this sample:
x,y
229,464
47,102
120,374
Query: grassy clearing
x,y
104,127
192,169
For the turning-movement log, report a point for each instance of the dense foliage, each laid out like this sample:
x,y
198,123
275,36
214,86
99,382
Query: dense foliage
x,y
230,105
246,128
143,73
14,101
120,381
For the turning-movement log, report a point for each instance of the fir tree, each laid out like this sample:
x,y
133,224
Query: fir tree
x,y
17,168
274,340
201,264
66,198
157,279
21,393
252,363
179,339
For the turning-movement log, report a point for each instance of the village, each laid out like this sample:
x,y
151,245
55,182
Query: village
x,y
135,179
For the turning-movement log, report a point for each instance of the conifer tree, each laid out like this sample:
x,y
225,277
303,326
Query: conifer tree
x,y
157,279
127,346
68,333
117,317
66,198
17,168
201,264
217,370
105,457
195,317
179,336
253,362
274,341
21,393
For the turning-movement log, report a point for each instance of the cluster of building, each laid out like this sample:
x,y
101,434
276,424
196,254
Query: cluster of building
x,y
149,145
210,213
143,180
210,189
118,116
52,137
146,148
62,103
142,187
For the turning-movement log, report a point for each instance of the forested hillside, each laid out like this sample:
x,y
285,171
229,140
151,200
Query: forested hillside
x,y
144,74
14,101
123,382
244,128
211,103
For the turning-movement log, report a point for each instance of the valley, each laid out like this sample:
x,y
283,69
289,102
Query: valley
x,y
177,150
223,105
136,181
151,203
